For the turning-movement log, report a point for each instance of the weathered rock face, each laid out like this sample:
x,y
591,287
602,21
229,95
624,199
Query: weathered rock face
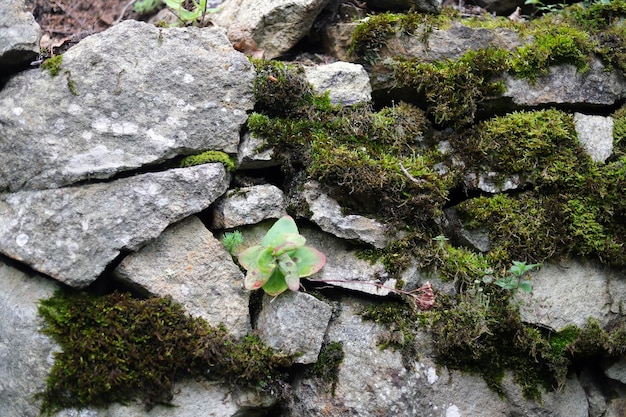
x,y
19,35
195,269
294,323
570,292
25,353
73,233
566,85
147,95
274,26
134,96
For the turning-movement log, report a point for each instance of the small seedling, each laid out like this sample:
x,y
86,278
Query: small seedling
x,y
232,240
190,16
515,279
278,263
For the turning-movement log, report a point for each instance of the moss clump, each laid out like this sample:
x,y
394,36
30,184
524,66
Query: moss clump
x,y
115,348
358,153
576,205
372,34
281,90
53,65
327,366
489,338
453,88
552,45
402,323
209,157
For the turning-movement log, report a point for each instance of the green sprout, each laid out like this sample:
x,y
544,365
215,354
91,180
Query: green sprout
x,y
280,260
232,240
515,280
190,16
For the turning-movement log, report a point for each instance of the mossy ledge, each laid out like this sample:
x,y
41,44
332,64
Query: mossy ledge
x,y
453,88
116,348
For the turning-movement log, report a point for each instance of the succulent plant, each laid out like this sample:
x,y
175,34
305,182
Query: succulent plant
x,y
278,263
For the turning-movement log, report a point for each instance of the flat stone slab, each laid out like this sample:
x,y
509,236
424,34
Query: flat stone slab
x,y
73,233
189,264
131,96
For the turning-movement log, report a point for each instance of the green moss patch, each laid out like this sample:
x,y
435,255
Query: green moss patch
x,y
209,157
359,153
53,65
327,366
115,348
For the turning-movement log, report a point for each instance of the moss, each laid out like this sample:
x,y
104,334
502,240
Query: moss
x,y
402,323
453,88
327,366
209,157
53,65
281,89
552,45
372,34
115,348
358,152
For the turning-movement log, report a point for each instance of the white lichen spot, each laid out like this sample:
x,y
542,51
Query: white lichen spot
x,y
101,124
84,224
59,125
74,109
125,128
98,158
184,290
18,111
21,239
180,103
159,139
87,135
188,78
115,115
453,411
431,375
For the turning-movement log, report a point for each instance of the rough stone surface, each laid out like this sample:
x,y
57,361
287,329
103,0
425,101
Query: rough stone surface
x,y
346,83
326,213
254,153
19,35
25,353
570,400
73,233
429,6
617,371
374,382
192,399
294,322
566,85
276,26
572,291
249,205
143,95
595,133
189,264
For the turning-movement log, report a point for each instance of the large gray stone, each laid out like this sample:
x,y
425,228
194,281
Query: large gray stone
x,y
73,233
143,95
570,292
275,26
189,264
294,323
345,82
249,205
26,355
192,399
564,84
326,213
19,35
